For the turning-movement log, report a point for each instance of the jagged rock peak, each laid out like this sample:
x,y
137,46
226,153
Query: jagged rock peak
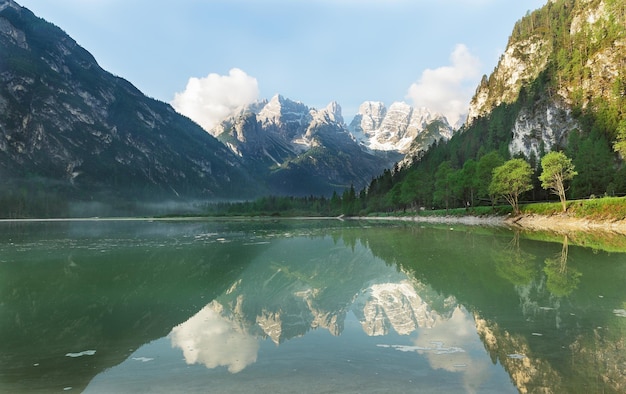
x,y
370,116
332,113
283,110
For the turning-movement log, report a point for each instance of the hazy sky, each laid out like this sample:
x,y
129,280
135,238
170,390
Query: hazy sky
x,y
208,56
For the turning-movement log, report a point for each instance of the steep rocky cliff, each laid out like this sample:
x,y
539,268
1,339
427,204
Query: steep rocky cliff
x,y
571,56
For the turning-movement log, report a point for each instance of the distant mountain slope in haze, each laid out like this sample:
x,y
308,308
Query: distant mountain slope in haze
x,y
69,127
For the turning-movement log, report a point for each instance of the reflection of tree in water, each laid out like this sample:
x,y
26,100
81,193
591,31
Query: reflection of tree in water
x,y
514,264
562,280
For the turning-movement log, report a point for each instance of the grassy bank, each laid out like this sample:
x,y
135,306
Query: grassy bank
x,y
598,209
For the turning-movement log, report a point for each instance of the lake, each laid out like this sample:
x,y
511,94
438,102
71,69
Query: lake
x,y
308,306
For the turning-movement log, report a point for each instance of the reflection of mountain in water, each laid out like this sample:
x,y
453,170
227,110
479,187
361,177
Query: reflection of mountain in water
x,y
542,337
545,311
399,306
292,288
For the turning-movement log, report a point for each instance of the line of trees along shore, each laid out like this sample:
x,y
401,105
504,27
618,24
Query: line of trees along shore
x,y
492,176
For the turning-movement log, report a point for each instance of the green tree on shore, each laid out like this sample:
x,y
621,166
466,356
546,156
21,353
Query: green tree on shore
x,y
557,169
510,180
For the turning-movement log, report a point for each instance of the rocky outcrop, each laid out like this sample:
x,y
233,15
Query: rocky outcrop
x,y
542,128
520,64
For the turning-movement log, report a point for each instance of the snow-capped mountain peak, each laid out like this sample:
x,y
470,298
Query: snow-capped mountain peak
x,y
280,110
396,128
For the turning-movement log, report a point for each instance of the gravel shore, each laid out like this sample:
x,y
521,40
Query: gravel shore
x,y
469,220
554,223
565,224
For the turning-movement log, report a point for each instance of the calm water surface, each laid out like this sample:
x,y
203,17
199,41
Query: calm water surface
x,y
307,306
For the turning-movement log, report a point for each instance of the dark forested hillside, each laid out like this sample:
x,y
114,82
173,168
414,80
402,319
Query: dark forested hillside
x,y
71,132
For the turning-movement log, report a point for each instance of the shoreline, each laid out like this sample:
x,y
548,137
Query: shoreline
x,y
558,223
467,220
561,224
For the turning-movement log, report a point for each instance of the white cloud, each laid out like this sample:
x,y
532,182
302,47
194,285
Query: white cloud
x,y
209,100
448,89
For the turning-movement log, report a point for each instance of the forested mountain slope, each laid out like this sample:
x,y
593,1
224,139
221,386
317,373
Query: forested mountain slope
x,y
70,131
560,85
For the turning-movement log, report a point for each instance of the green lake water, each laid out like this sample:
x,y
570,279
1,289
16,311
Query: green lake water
x,y
307,306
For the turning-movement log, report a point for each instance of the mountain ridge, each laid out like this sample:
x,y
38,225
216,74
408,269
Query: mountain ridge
x,y
574,66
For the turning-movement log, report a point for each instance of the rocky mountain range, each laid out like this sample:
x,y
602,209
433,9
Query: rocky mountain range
x,y
286,142
298,150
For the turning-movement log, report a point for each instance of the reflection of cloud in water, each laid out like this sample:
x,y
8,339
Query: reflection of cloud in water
x,y
436,347
453,345
213,340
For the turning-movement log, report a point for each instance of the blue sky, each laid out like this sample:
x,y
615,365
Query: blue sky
x,y
217,54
